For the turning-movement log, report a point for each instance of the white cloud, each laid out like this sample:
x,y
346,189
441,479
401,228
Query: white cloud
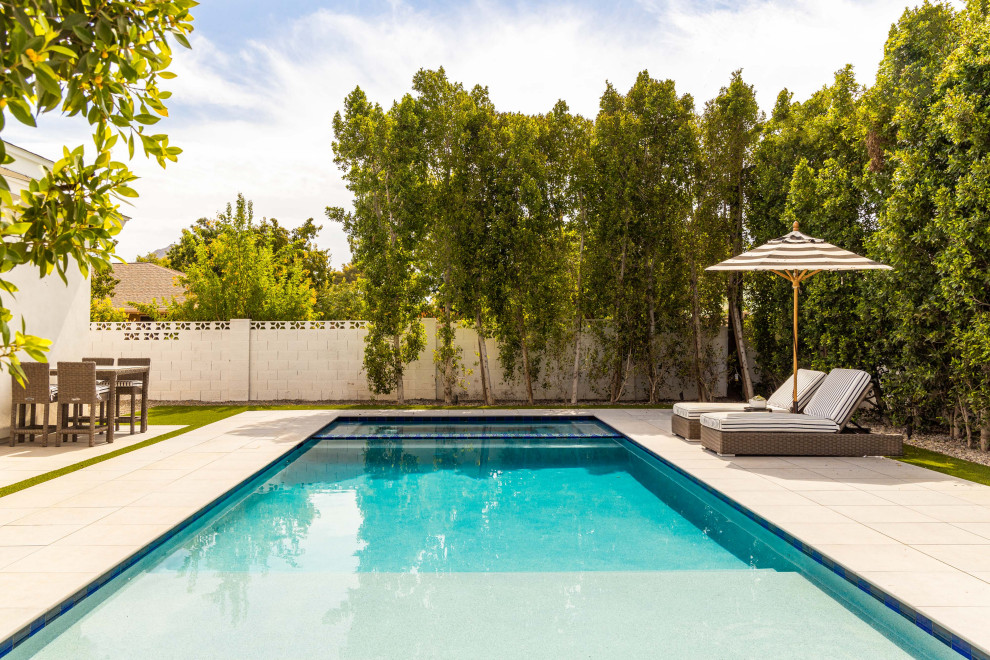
x,y
258,120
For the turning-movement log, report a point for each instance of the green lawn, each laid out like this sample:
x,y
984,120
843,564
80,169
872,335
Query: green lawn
x,y
946,464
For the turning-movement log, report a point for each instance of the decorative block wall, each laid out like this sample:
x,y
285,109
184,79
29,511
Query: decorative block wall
x,y
244,360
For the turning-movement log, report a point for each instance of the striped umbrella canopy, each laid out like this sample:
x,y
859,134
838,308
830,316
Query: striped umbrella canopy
x,y
796,257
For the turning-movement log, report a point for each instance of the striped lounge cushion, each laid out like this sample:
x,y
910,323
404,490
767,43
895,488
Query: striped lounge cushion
x,y
808,382
837,395
779,422
695,409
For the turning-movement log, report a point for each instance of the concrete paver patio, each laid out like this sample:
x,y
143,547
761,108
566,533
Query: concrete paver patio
x,y
922,536
29,459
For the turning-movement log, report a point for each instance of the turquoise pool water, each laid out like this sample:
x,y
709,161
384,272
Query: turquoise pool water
x,y
535,539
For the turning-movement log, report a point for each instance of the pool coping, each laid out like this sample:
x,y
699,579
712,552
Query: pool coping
x,y
930,625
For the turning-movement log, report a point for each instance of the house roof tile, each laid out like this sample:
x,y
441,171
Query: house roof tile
x,y
145,282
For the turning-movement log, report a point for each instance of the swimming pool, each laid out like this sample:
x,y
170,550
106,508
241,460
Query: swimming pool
x,y
476,538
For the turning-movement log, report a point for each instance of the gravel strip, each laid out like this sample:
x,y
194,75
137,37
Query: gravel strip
x,y
942,443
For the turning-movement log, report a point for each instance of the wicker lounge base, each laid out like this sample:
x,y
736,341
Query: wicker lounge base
x,y
689,429
801,444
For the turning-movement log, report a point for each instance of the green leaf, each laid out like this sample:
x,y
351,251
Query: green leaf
x,y
62,50
83,34
21,111
16,228
36,353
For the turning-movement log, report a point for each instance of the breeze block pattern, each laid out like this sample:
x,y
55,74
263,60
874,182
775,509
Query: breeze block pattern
x,y
247,360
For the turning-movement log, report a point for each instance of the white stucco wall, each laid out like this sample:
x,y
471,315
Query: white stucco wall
x,y
50,307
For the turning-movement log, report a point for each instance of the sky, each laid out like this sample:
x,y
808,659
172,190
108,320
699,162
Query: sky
x,y
253,101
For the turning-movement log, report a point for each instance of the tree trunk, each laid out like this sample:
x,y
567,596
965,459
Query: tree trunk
x,y
735,280
621,384
985,432
447,365
696,327
737,329
448,359
619,377
968,429
652,370
575,376
577,325
486,375
525,355
912,419
400,395
481,374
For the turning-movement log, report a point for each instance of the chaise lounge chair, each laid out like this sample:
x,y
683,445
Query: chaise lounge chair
x,y
687,415
819,431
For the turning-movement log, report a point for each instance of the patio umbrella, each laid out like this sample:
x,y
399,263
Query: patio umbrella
x,y
796,257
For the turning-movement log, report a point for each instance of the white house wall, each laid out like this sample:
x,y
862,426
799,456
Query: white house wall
x,y
51,308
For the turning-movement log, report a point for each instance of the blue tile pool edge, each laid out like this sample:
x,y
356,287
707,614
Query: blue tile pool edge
x,y
956,642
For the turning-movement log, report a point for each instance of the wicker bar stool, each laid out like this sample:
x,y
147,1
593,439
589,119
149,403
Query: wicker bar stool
x,y
100,362
37,391
132,387
77,386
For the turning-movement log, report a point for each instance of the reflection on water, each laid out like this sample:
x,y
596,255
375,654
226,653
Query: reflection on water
x,y
434,506
271,524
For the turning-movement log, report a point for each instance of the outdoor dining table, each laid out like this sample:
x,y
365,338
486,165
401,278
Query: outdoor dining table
x,y
110,375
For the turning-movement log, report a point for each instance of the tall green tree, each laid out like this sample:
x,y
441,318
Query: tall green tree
x,y
102,287
477,284
378,153
908,152
342,297
706,241
103,62
443,107
532,312
733,122
237,275
182,254
644,155
962,113
576,174
298,245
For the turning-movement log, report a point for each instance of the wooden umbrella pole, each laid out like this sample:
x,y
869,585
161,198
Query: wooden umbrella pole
x,y
796,284
795,278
